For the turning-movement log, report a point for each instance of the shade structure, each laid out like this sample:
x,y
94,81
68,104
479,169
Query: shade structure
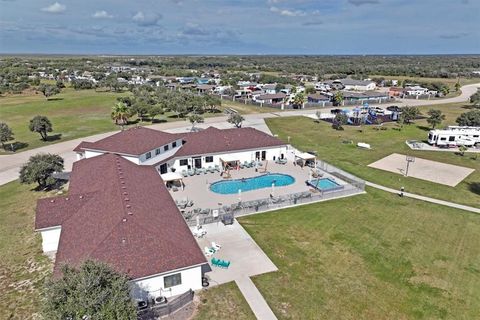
x,y
171,176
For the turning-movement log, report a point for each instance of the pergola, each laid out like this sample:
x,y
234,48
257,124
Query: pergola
x,y
172,177
228,160
304,157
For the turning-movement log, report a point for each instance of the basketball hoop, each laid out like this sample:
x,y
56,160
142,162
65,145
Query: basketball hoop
x,y
409,159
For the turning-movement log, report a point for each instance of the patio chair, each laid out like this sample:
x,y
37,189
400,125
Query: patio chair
x,y
189,203
242,166
246,164
216,246
184,173
205,211
198,171
217,168
210,169
191,172
207,251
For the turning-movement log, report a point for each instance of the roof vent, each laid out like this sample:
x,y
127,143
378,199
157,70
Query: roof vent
x,y
128,206
125,193
130,213
126,199
81,197
124,219
123,187
52,201
124,240
122,182
66,198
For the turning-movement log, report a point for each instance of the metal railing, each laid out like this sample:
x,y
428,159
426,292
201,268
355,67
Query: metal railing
x,y
161,310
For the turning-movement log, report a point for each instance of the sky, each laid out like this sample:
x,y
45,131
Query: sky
x,y
319,27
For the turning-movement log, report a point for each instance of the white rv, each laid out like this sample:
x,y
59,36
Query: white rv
x,y
455,136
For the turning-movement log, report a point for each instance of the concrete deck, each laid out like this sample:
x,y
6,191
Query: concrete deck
x,y
197,187
246,257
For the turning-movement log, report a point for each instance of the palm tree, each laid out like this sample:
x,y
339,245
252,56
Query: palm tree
x,y
338,98
299,100
120,113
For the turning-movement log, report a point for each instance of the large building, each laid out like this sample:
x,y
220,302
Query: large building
x,y
119,211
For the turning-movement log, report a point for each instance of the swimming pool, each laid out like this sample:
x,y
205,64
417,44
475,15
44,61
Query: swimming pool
x,y
325,184
249,184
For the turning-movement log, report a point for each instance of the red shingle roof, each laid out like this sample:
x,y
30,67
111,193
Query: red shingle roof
x,y
133,141
213,140
210,140
126,218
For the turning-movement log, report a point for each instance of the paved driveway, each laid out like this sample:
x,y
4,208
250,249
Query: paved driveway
x,y
246,257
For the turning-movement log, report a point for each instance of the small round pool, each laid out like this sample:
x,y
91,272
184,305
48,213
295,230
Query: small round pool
x,y
248,184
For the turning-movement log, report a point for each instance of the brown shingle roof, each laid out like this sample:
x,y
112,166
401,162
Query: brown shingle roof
x,y
213,140
133,141
210,140
128,219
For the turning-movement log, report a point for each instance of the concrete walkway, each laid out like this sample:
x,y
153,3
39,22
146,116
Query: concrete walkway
x,y
255,299
423,198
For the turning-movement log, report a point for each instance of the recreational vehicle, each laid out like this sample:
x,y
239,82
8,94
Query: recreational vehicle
x,y
455,136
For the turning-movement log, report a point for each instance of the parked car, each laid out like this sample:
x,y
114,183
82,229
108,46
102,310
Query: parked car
x,y
394,108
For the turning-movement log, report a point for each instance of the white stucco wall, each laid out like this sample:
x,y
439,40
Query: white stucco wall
x,y
50,239
91,154
154,286
241,156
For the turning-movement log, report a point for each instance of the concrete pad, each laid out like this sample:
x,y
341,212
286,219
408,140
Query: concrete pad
x,y
438,172
246,257
255,299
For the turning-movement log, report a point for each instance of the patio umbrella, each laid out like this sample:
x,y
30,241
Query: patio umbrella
x,y
273,189
239,194
198,221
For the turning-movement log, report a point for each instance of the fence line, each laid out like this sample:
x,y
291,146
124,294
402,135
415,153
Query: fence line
x,y
355,186
161,310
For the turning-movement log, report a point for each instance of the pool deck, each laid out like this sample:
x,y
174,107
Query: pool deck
x,y
197,188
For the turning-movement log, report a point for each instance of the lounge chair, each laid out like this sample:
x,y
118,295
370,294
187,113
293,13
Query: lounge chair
x,y
217,168
198,171
191,172
220,263
184,173
210,169
207,251
247,164
216,246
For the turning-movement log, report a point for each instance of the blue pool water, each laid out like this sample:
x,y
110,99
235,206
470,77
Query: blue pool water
x,y
324,184
248,184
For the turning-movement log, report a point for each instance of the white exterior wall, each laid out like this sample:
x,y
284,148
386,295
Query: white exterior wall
x,y
154,286
50,239
91,154
242,156
162,155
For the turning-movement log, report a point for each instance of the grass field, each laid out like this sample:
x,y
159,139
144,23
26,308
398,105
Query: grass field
x,y
373,256
23,267
306,135
73,114
223,302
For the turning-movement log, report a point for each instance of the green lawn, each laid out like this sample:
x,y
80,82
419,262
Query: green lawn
x,y
306,134
74,114
223,302
23,267
373,256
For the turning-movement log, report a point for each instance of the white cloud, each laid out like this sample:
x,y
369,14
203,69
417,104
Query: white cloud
x,y
102,14
55,8
288,13
146,19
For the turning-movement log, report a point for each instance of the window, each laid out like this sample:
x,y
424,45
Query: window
x,y
174,144
165,147
443,139
173,280
157,151
451,138
209,159
148,155
183,162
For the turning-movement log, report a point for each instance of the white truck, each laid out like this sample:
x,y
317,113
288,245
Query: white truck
x,y
454,136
